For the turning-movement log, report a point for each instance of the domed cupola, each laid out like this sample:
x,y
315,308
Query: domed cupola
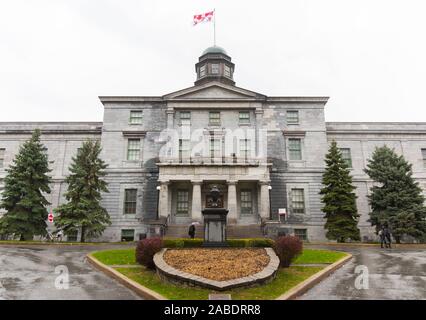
x,y
215,65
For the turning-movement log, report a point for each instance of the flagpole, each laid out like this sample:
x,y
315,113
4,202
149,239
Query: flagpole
x,y
214,27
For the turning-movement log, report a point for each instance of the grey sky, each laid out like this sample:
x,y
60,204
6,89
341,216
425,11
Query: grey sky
x,y
58,56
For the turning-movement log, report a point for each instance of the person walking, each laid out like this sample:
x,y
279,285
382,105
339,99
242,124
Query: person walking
x,y
191,231
388,237
382,237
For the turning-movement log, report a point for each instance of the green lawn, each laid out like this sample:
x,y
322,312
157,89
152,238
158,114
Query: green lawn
x,y
318,256
286,279
127,256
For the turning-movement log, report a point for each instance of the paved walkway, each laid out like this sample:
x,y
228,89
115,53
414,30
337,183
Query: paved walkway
x,y
392,274
28,272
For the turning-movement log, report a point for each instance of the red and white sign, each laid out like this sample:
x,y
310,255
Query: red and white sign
x,y
204,17
50,217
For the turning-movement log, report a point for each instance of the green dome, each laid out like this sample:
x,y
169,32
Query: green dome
x,y
214,49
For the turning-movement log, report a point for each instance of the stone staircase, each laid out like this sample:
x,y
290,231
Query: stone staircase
x,y
233,231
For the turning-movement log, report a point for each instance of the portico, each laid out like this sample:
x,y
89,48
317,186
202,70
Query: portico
x,y
184,192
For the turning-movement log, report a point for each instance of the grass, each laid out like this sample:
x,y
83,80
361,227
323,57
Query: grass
x,y
116,257
318,256
286,279
127,256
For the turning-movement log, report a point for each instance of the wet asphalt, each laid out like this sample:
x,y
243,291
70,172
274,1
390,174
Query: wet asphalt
x,y
375,273
31,272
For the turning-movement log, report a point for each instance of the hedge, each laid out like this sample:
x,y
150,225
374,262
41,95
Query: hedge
x,y
233,243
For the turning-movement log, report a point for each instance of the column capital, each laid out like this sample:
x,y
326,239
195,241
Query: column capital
x,y
170,111
197,182
264,182
164,182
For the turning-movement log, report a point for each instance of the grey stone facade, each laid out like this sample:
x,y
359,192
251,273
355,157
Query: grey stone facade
x,y
269,159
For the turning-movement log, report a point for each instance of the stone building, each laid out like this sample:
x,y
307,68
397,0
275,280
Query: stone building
x,y
265,154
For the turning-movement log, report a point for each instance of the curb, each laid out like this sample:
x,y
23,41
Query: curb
x,y
301,288
139,289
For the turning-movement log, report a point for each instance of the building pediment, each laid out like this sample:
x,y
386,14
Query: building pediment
x,y
214,91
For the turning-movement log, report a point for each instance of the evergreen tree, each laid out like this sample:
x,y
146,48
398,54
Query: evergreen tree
x,y
339,198
83,211
25,183
396,200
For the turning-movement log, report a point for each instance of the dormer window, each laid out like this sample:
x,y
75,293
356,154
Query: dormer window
x,y
215,68
202,70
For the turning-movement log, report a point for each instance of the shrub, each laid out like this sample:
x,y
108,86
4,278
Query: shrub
x,y
146,249
287,249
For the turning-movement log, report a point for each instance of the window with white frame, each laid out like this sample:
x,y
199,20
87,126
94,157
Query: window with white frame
x,y
246,202
423,156
214,118
182,205
130,201
2,152
185,118
215,147
184,149
295,149
215,68
244,117
245,148
136,117
346,156
133,149
302,234
298,200
292,117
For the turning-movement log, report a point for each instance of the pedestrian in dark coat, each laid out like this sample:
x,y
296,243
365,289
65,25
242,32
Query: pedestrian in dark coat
x,y
382,236
191,231
388,237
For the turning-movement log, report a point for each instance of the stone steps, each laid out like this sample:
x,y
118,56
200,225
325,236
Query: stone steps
x,y
233,231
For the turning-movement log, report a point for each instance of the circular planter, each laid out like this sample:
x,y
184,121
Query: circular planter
x,y
168,273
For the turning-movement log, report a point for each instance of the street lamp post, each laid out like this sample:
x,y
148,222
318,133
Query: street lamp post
x,y
158,201
270,203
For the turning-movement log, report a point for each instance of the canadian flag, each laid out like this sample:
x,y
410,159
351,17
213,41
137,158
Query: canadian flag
x,y
204,17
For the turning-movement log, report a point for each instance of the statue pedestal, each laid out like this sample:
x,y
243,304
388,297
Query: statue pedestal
x,y
214,227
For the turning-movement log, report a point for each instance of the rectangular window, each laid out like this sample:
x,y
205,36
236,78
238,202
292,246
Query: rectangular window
x,y
227,71
136,117
133,149
130,201
302,234
215,68
423,155
2,152
72,236
292,117
245,148
214,118
246,202
182,202
203,71
184,149
185,118
128,235
215,147
346,155
295,149
298,200
244,117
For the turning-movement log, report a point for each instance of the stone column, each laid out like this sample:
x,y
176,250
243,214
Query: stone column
x,y
259,115
163,206
264,199
196,200
170,114
232,201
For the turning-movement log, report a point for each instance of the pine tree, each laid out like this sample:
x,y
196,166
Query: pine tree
x,y
83,211
339,198
23,198
396,200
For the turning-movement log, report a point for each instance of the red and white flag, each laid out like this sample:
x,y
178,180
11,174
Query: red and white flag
x,y
204,17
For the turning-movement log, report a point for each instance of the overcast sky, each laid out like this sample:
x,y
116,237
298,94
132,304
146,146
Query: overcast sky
x,y
58,56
